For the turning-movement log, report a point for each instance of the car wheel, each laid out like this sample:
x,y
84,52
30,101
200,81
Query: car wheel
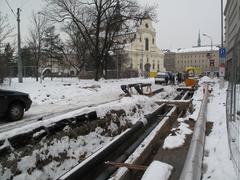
x,y
15,111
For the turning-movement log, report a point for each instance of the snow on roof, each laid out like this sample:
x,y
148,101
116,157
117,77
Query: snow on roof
x,y
195,49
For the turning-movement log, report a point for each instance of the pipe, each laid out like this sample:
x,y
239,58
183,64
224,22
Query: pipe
x,y
110,170
87,165
193,164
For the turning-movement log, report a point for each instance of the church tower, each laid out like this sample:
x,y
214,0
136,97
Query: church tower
x,y
199,39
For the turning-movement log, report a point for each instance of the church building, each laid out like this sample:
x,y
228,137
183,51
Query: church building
x,y
143,53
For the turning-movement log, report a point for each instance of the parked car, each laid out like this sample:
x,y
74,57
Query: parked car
x,y
13,104
162,77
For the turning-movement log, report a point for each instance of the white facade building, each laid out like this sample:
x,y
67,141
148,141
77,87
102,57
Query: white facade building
x,y
143,53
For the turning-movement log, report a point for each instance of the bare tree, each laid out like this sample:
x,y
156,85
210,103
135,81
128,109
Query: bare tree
x,y
75,51
5,28
36,40
98,22
5,32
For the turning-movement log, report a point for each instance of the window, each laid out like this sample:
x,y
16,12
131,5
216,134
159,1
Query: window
x,y
153,66
146,44
153,40
146,25
140,39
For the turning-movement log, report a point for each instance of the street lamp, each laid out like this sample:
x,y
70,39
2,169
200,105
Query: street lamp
x,y
211,50
141,59
111,53
211,41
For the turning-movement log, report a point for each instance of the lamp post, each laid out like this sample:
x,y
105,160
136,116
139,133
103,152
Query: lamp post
x,y
141,60
115,53
211,41
211,51
117,63
221,23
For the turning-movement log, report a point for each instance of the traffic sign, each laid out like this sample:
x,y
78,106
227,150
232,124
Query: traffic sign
x,y
221,70
222,52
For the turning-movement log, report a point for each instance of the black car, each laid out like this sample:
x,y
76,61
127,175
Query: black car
x,y
13,104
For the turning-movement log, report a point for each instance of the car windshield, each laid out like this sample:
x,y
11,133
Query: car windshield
x,y
160,76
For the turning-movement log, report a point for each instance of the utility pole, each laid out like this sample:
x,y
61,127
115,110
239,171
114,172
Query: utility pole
x,y
222,60
221,23
142,62
20,78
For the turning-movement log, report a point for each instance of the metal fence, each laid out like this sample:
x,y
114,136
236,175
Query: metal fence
x,y
11,71
233,106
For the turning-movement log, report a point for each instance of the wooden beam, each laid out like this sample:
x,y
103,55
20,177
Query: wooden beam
x,y
129,166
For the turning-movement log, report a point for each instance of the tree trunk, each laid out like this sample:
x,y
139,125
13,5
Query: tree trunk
x,y
97,71
36,72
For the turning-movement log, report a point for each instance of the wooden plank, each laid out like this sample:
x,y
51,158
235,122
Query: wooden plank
x,y
129,166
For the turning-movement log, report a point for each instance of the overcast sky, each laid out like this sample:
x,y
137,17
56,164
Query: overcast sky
x,y
178,20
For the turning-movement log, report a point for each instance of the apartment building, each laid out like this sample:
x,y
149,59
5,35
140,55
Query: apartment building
x,y
232,31
232,37
204,57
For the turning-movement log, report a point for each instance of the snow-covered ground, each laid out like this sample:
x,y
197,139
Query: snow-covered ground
x,y
63,95
72,97
217,154
58,99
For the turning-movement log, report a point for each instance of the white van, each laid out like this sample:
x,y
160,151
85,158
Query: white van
x,y
161,78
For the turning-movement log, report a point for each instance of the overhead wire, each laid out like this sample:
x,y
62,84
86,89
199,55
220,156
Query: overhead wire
x,y
10,8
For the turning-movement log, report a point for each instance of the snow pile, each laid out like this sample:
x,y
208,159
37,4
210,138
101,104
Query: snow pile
x,y
177,137
217,160
197,101
157,171
56,154
206,79
68,94
141,105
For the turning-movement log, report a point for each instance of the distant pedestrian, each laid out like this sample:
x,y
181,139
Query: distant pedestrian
x,y
173,79
166,79
179,78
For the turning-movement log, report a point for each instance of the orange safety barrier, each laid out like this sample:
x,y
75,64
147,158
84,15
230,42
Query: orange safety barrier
x,y
190,82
